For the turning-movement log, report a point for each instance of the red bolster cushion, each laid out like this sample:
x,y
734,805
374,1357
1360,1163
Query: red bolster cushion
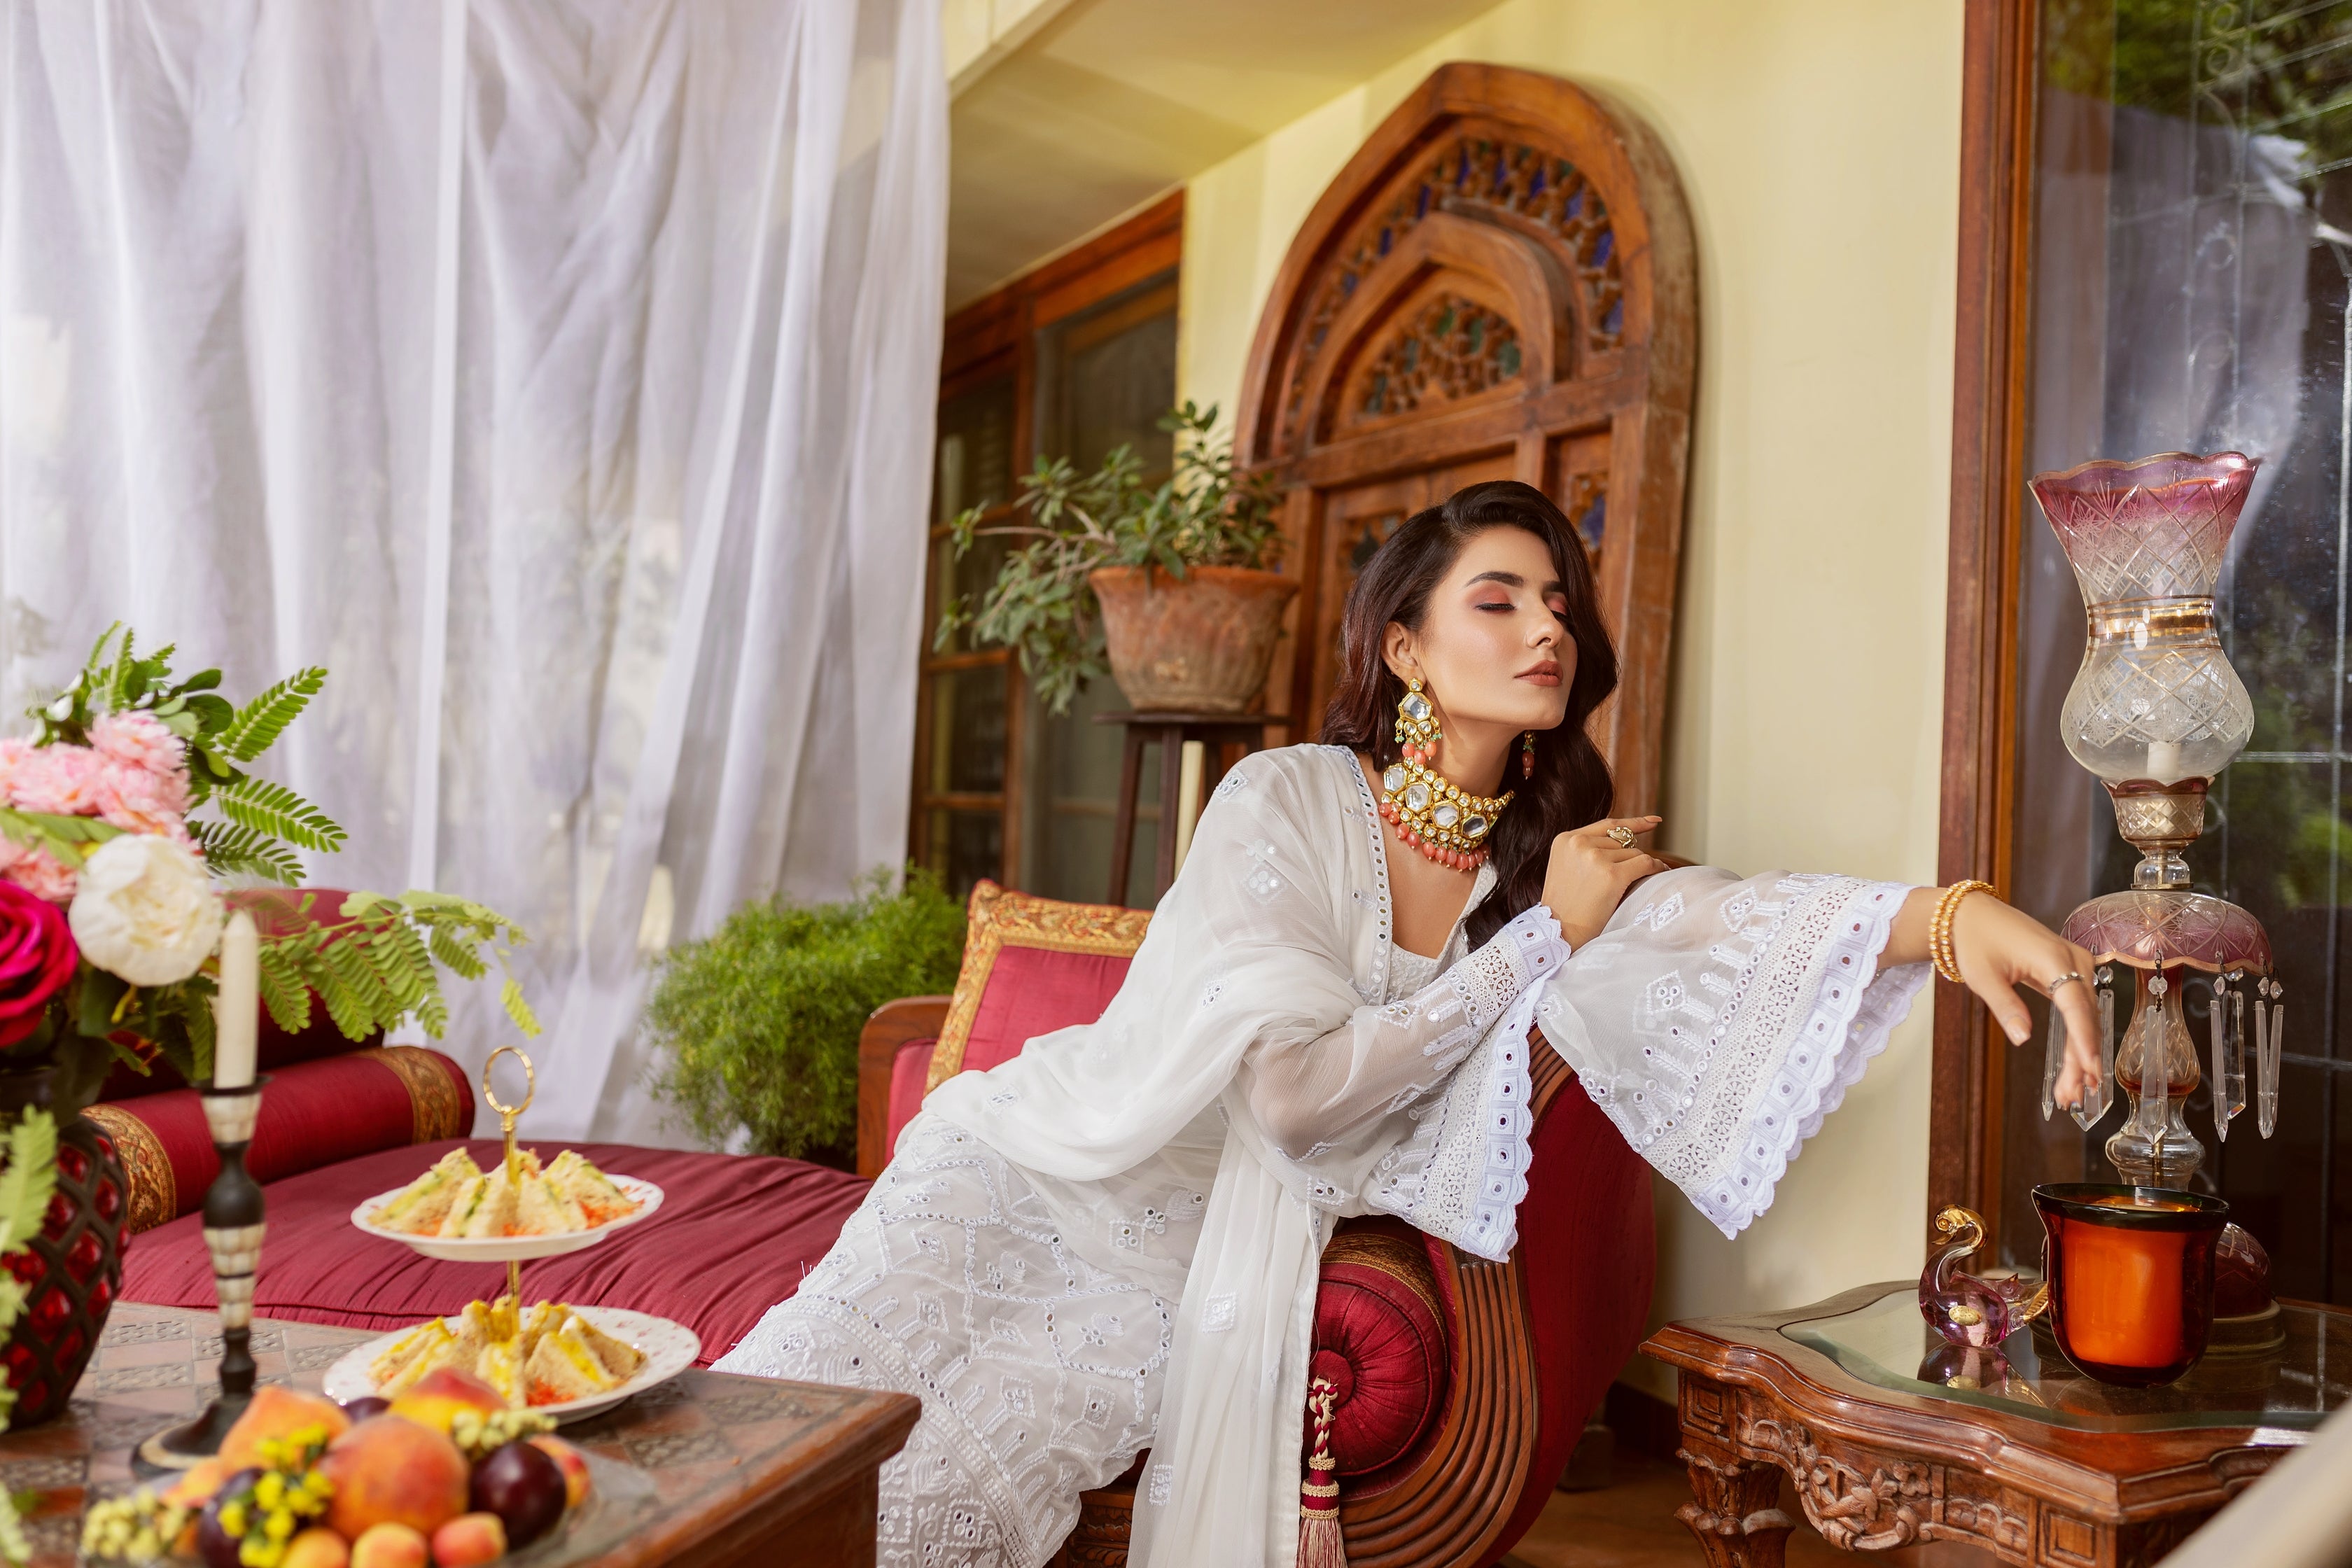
x,y
313,1113
1380,1338
733,1237
909,1071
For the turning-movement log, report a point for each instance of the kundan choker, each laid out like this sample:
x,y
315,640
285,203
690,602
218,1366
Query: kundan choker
x,y
1444,823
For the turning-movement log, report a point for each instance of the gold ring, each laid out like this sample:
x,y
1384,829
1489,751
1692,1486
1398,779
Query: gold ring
x,y
2066,979
1622,835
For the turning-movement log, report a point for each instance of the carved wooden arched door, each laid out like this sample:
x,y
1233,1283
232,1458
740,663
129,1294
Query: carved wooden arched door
x,y
1499,285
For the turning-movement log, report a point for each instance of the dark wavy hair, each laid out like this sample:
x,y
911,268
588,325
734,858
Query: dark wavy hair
x,y
1571,785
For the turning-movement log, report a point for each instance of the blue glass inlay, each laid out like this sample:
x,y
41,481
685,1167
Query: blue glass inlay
x,y
1507,359
1536,185
1461,169
1595,519
1604,247
1614,321
1420,208
1575,204
1386,236
1347,282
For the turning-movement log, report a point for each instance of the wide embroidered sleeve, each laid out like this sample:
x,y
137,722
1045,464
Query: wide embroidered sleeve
x,y
1717,1020
1307,1094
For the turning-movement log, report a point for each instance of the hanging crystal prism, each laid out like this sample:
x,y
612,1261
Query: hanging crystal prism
x,y
2053,1056
2155,1062
2266,1058
2229,1062
2094,1101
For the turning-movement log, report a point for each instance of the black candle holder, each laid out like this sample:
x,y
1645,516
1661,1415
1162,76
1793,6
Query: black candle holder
x,y
234,1224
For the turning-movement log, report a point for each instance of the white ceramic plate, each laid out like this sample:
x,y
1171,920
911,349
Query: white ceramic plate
x,y
669,1349
500,1248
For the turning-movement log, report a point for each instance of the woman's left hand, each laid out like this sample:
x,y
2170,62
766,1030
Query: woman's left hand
x,y
1999,949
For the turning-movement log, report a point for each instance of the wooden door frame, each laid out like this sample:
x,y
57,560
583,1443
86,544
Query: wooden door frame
x,y
1998,82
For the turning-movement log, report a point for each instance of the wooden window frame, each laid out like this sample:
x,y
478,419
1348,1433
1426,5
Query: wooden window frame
x,y
984,340
1998,82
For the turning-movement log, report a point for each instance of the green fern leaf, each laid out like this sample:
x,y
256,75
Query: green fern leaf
x,y
274,809
260,722
30,1179
519,1009
455,955
284,990
230,848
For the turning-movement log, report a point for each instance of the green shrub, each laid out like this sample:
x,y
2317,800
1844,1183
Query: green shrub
x,y
756,1027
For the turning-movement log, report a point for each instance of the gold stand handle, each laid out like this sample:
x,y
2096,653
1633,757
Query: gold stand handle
x,y
506,1114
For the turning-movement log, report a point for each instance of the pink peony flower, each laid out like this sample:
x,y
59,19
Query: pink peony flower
x,y
138,801
15,752
37,871
140,740
36,958
64,780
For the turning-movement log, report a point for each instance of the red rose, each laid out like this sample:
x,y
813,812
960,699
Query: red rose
x,y
36,958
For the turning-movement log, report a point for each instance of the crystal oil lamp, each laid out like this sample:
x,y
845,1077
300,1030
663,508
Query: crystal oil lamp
x,y
2156,712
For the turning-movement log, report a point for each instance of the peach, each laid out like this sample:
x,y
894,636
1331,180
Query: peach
x,y
389,1469
389,1546
317,1547
571,1462
468,1539
276,1412
440,1394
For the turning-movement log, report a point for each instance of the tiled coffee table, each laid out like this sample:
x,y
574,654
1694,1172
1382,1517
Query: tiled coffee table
x,y
1889,1443
720,1470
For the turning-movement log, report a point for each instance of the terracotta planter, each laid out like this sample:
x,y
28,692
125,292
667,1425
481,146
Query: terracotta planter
x,y
1199,644
71,1270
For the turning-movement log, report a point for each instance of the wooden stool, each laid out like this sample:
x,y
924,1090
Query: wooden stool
x,y
1215,732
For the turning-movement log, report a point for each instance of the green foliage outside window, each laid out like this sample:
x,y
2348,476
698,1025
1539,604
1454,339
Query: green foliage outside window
x,y
755,1028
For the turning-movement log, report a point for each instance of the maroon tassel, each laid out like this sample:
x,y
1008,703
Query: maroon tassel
x,y
1319,1542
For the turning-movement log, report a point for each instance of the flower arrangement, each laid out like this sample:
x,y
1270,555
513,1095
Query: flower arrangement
x,y
117,816
1202,514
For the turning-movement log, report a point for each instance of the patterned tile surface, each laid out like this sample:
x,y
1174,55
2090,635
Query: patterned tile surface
x,y
706,1446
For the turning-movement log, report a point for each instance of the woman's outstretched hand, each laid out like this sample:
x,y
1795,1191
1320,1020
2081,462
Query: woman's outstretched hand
x,y
1999,949
1590,872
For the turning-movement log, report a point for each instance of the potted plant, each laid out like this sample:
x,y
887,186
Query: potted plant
x,y
756,1027
1174,582
132,797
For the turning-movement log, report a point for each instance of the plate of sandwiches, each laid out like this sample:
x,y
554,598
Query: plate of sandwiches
x,y
562,1361
460,1213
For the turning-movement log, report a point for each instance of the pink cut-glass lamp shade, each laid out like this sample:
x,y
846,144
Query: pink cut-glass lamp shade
x,y
2155,702
2155,528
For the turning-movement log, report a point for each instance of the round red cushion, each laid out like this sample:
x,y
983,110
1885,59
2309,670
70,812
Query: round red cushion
x,y
1380,1341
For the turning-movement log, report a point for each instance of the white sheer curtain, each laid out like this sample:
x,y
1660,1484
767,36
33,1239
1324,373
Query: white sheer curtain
x,y
560,375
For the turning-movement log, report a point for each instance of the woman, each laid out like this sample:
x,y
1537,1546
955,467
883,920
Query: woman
x,y
1111,1242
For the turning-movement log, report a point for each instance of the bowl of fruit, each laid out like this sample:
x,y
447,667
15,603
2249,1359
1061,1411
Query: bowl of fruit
x,y
447,1476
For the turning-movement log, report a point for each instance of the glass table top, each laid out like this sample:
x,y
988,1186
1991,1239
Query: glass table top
x,y
2287,1369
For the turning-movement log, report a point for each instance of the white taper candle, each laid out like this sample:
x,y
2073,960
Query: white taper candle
x,y
233,1012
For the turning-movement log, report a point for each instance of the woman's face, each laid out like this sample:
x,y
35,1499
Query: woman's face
x,y
1493,648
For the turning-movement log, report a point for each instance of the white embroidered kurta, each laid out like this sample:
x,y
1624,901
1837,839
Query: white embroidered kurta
x,y
1110,1243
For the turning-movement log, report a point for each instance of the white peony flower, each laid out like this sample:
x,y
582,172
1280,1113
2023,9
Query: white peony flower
x,y
146,911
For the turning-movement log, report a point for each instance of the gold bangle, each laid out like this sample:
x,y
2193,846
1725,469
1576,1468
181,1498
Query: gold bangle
x,y
1946,957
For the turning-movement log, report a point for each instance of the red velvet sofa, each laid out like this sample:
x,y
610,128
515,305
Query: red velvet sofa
x,y
1463,1385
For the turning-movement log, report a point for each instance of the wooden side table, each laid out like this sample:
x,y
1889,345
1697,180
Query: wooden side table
x,y
2014,1452
730,1472
1215,732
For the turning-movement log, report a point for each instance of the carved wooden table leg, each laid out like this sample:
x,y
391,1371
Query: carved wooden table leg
x,y
1735,1517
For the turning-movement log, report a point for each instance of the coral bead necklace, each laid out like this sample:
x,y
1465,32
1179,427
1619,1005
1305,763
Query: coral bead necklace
x,y
1444,821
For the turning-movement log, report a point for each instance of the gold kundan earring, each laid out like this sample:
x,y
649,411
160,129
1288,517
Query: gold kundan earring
x,y
1527,756
1429,814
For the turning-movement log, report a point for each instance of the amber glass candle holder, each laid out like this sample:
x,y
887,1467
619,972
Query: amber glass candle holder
x,y
2131,1277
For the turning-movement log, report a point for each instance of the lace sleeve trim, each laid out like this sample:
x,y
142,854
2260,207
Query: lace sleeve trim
x,y
1854,1010
1462,1174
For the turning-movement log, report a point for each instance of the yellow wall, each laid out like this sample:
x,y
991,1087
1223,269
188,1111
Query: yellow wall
x,y
1819,146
